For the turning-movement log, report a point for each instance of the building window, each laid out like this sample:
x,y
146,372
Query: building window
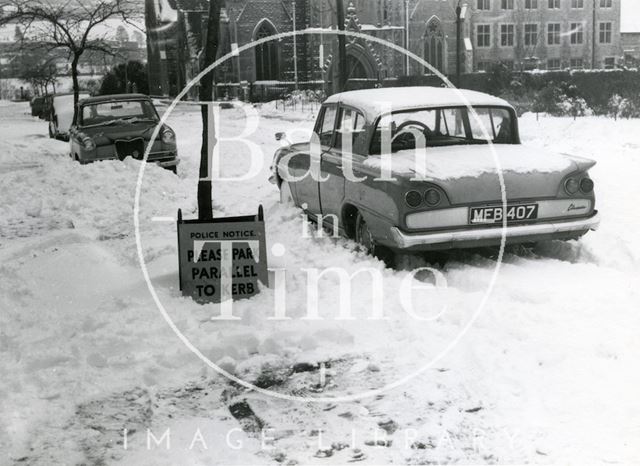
x,y
531,4
553,34
530,35
577,34
483,35
507,4
554,64
484,4
577,63
606,30
267,54
609,63
507,33
577,4
483,65
434,45
385,12
554,4
606,3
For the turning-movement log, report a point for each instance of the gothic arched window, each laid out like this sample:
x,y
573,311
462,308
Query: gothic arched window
x,y
434,45
267,54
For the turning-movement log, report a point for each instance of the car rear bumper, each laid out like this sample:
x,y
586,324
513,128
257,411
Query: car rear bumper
x,y
167,163
493,236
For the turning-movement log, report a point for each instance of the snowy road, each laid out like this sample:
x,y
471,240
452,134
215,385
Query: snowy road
x,y
547,374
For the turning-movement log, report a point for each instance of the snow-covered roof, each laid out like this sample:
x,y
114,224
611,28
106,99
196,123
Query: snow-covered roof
x,y
375,101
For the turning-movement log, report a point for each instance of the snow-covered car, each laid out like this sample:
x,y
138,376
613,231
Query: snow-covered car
x,y
119,126
37,106
61,115
413,169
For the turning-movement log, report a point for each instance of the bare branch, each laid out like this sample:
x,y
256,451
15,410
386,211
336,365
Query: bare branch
x,y
68,25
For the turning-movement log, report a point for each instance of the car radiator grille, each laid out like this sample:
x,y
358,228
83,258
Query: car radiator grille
x,y
133,148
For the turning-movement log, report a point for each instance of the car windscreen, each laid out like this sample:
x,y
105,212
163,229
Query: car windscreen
x,y
437,127
106,112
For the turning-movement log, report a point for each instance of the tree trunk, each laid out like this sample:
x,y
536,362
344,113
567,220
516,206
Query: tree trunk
x,y
205,202
76,83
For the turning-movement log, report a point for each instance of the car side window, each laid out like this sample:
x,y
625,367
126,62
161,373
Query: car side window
x,y
327,125
350,129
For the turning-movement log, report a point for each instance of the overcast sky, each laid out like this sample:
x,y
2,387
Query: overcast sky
x,y
630,15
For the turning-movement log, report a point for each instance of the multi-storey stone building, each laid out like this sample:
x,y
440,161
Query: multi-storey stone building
x,y
631,48
546,34
524,34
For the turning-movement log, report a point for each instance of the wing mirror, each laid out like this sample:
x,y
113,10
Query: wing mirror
x,y
283,137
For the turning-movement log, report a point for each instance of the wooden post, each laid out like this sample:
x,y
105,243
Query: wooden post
x,y
205,202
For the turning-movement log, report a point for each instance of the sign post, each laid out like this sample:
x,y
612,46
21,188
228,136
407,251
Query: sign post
x,y
222,260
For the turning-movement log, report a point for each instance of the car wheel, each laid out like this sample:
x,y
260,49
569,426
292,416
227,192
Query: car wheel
x,y
286,197
365,239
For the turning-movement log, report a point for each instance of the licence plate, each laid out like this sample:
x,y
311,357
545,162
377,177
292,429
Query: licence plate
x,y
497,214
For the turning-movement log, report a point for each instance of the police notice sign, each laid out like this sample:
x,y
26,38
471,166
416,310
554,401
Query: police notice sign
x,y
222,259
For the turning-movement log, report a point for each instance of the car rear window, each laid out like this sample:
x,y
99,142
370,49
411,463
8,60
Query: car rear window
x,y
109,111
411,129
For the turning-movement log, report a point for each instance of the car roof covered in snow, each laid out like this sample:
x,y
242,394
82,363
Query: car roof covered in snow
x,y
376,101
114,97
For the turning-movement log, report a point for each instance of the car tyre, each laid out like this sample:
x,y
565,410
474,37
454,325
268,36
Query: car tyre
x,y
365,239
286,197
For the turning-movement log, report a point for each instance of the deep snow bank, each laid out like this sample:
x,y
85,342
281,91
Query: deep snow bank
x,y
545,374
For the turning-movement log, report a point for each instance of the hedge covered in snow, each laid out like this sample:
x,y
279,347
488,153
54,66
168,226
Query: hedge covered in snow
x,y
574,93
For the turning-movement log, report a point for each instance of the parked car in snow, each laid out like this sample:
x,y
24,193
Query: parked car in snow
x,y
413,169
37,106
119,126
47,105
61,115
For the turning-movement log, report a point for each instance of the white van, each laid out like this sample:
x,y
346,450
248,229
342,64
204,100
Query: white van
x,y
61,116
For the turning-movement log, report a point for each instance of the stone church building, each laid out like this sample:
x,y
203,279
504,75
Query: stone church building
x,y
524,34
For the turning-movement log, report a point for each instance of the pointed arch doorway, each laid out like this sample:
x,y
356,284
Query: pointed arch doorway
x,y
267,55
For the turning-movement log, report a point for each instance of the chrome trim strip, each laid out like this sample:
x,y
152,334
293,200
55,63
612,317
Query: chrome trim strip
x,y
168,163
404,240
458,217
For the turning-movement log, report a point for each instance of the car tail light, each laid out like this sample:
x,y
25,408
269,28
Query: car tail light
x,y
586,185
571,186
413,199
88,143
168,136
432,197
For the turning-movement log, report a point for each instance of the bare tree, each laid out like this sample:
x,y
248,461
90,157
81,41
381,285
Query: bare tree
x,y
41,75
70,25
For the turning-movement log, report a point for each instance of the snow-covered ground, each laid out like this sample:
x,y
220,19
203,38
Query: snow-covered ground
x,y
547,374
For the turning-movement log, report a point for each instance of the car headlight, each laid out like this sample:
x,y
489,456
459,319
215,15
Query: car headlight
x,y
413,199
571,186
432,197
586,185
88,143
168,136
